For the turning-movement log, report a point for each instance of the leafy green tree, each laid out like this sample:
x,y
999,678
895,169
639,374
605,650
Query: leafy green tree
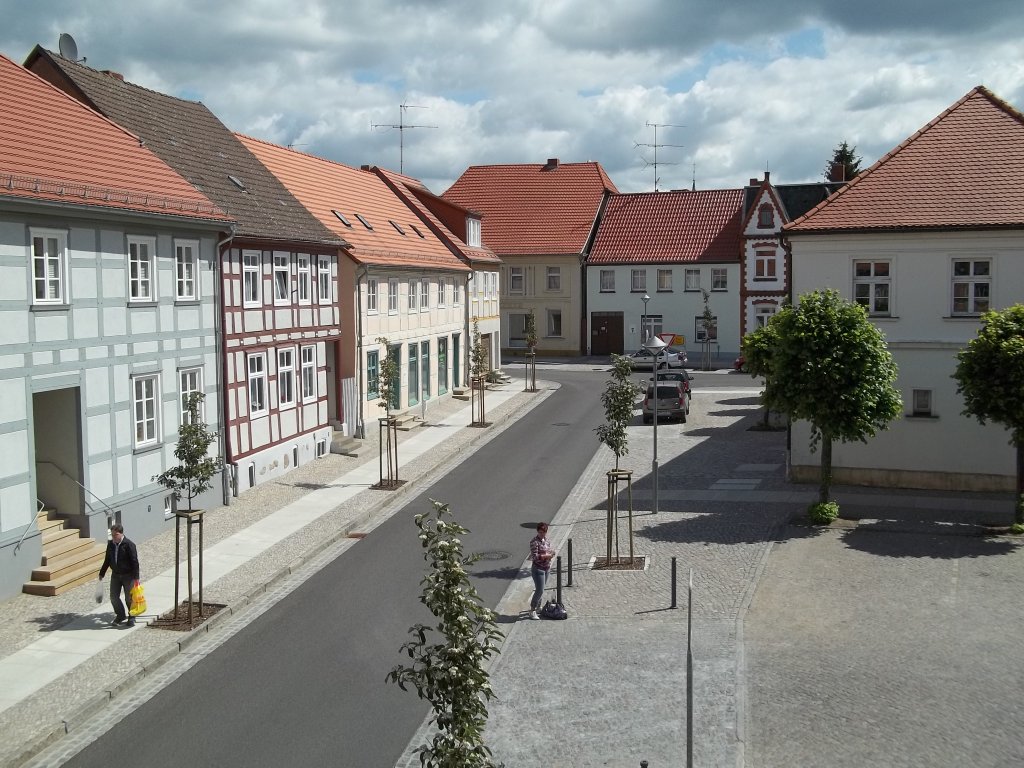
x,y
707,324
452,673
387,380
990,376
192,477
619,400
844,165
196,468
830,366
757,349
478,367
531,331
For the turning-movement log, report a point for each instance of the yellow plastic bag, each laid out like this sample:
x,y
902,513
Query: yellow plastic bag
x,y
138,600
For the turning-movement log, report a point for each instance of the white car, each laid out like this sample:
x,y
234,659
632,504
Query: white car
x,y
670,357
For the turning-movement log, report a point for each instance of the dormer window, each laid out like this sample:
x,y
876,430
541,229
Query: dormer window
x,y
398,229
765,216
364,222
472,231
341,217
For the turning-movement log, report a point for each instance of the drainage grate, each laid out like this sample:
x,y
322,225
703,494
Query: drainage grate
x,y
494,554
355,535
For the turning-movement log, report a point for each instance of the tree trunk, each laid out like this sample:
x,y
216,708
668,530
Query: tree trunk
x,y
826,467
1018,509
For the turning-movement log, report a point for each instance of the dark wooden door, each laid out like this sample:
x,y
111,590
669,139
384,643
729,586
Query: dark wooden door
x,y
606,333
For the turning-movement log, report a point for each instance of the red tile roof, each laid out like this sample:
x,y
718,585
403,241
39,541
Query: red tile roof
x,y
545,209
962,170
670,227
56,149
324,186
429,207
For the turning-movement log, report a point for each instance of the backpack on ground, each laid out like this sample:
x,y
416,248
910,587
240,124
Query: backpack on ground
x,y
553,610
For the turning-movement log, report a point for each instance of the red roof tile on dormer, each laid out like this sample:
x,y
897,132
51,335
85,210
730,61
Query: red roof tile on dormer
x,y
545,209
962,170
670,227
56,149
324,186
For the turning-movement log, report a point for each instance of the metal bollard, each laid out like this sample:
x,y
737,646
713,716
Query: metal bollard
x,y
558,579
568,583
643,764
673,583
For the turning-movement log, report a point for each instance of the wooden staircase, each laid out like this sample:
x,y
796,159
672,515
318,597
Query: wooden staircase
x,y
69,559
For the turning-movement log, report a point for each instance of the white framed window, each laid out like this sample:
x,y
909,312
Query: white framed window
x,y
190,382
607,281
412,291
442,290
719,279
256,364
705,333
763,314
304,278
424,295
516,280
473,231
49,266
168,507
764,265
286,377
972,286
554,322
392,297
921,402
308,377
458,292
638,280
252,280
323,276
371,296
872,281
141,268
664,280
146,409
691,279
282,278
554,281
372,375
186,270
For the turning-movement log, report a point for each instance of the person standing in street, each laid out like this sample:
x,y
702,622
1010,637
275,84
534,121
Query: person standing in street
x,y
541,553
123,561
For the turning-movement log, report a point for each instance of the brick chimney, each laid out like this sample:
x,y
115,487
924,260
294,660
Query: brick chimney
x,y
113,74
552,164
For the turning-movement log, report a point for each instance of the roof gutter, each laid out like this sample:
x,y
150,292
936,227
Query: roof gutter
x,y
226,474
361,274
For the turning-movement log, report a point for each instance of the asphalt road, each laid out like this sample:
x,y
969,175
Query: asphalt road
x,y
303,684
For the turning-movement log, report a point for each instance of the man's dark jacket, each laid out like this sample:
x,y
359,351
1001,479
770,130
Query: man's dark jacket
x,y
127,563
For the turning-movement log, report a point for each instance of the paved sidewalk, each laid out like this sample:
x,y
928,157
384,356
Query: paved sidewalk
x,y
60,660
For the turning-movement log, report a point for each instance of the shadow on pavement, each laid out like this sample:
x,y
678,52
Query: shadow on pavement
x,y
57,621
941,542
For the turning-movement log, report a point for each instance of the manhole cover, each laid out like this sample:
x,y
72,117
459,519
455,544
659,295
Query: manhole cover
x,y
494,554
560,424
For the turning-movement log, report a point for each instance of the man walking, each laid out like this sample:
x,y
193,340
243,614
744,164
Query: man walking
x,y
123,561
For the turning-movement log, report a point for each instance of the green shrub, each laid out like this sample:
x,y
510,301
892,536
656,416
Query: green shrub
x,y
823,512
1017,528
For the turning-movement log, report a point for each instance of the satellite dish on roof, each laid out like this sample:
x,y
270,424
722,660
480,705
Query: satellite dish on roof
x,y
67,46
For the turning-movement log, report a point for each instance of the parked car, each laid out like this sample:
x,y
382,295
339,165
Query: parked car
x,y
682,376
673,401
670,357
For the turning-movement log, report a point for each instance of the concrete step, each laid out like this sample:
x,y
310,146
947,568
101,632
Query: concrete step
x,y
348,446
54,534
70,580
65,547
406,422
91,555
460,393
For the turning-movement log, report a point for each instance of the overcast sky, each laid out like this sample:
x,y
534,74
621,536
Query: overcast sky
x,y
754,84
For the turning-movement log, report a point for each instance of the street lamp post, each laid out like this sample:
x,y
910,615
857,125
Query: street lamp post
x,y
655,346
643,319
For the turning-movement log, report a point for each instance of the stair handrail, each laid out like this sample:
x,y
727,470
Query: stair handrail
x,y
24,533
112,514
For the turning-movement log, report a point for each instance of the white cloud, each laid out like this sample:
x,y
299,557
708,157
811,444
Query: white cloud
x,y
757,85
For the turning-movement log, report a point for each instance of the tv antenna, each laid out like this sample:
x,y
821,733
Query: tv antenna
x,y
68,48
402,126
656,145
